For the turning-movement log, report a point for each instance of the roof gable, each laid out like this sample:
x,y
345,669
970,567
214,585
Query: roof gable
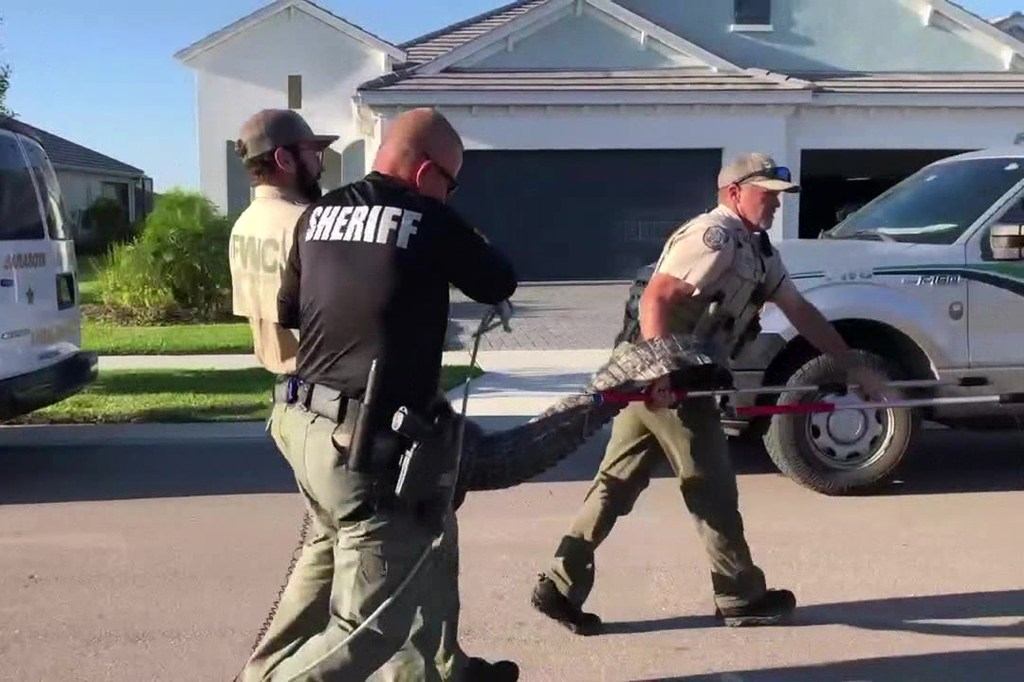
x,y
64,153
947,14
842,35
1012,24
540,15
189,53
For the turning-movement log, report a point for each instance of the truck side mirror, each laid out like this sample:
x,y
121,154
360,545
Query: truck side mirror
x,y
1007,242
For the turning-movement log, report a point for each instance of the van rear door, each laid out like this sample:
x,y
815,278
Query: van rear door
x,y
40,323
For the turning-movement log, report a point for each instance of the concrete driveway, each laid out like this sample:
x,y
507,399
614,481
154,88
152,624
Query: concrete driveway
x,y
547,317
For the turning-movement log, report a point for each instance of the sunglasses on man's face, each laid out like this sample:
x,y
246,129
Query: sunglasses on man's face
x,y
453,184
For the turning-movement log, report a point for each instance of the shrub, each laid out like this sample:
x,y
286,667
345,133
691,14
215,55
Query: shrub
x,y
177,269
128,290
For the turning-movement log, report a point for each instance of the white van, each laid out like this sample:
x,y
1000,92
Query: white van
x,y
41,360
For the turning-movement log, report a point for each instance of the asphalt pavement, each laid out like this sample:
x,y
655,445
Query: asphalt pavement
x,y
157,557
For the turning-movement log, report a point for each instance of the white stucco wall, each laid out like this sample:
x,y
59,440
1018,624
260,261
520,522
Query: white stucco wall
x,y
781,131
735,130
905,128
249,72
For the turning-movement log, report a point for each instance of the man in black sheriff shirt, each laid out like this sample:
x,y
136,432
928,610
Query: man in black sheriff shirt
x,y
367,284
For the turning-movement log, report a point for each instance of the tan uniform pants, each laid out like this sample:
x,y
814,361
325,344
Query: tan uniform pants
x,y
695,445
344,573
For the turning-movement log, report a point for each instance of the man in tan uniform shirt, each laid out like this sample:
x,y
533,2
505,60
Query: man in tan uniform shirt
x,y
722,256
284,160
284,185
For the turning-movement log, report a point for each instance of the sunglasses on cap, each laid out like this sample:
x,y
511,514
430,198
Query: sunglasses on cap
x,y
776,173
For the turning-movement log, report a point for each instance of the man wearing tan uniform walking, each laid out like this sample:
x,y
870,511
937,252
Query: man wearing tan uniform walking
x,y
721,256
284,160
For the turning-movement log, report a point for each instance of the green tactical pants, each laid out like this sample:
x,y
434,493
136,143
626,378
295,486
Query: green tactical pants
x,y
347,569
695,445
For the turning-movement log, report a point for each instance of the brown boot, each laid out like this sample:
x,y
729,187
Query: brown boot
x,y
479,670
553,604
775,607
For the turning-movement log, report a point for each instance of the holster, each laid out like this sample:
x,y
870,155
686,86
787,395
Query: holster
x,y
427,468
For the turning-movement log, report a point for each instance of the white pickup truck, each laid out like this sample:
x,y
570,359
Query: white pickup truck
x,y
928,281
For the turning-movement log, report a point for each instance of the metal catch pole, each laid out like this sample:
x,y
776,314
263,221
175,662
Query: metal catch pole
x,y
824,388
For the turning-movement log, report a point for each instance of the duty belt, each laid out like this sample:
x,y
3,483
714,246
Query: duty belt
x,y
317,398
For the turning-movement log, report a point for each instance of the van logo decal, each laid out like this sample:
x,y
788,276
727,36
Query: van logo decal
x,y
983,275
935,280
25,261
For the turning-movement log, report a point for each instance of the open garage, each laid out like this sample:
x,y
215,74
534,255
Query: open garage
x,y
584,214
838,181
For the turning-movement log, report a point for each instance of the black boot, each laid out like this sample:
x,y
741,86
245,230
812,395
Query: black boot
x,y
549,601
775,607
479,670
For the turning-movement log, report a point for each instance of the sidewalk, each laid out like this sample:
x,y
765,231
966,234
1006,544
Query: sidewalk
x,y
515,383
489,360
516,386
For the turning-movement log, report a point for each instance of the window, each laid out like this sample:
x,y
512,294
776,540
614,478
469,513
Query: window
x,y
49,190
1014,215
752,12
19,203
294,92
936,204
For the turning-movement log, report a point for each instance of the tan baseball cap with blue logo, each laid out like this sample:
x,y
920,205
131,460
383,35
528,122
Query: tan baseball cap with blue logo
x,y
757,169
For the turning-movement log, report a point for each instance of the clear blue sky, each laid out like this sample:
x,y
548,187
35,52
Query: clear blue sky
x,y
102,74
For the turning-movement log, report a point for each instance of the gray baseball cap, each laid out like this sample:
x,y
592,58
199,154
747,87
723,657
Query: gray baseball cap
x,y
757,169
269,129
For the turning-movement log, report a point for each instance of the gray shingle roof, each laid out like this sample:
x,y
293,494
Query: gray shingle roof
x,y
434,44
65,153
975,83
660,79
438,43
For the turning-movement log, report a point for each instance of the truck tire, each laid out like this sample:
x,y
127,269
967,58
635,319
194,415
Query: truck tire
x,y
843,452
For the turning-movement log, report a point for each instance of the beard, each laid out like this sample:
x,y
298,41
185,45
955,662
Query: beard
x,y
307,186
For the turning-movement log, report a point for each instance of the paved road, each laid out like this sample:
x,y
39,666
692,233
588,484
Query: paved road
x,y
547,317
158,561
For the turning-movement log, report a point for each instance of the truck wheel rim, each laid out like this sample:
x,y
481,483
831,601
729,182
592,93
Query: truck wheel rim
x,y
849,439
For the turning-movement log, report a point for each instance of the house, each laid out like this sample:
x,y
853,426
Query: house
x,y
86,175
1012,23
594,127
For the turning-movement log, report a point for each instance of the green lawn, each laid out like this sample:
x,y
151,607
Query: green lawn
x,y
182,339
125,396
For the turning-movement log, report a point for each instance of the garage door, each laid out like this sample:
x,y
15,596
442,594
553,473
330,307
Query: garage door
x,y
586,214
